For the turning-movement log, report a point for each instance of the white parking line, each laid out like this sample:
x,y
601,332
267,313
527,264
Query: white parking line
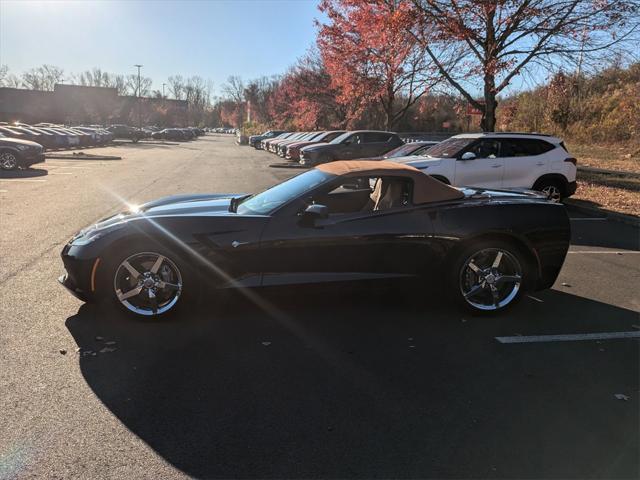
x,y
535,298
617,252
569,338
4,191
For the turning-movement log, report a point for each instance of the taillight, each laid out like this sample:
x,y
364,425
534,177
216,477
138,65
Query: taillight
x,y
572,160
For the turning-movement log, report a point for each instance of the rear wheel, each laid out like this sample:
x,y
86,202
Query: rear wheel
x,y
489,276
553,189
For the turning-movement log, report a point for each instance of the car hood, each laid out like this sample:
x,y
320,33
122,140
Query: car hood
x,y
302,144
502,193
13,141
418,161
316,146
176,205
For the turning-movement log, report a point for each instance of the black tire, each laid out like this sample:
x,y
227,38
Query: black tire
x,y
9,160
555,189
114,275
463,278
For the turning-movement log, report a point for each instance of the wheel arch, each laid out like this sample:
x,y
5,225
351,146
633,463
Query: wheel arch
x,y
552,177
523,246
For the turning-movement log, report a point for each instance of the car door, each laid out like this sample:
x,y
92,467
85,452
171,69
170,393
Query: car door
x,y
485,170
525,161
376,144
345,246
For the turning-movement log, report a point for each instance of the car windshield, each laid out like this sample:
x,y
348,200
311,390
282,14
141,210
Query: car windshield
x,y
342,137
267,201
402,150
449,148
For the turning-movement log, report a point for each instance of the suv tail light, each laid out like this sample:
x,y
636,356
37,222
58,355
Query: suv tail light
x,y
572,160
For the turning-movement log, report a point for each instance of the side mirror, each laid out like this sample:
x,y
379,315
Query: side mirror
x,y
468,156
313,213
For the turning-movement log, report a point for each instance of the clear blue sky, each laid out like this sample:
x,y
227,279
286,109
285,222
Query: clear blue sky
x,y
213,39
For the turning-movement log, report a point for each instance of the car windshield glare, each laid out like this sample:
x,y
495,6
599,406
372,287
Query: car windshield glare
x,y
267,201
341,138
449,148
401,151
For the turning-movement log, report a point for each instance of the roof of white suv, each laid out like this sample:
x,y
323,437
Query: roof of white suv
x,y
542,136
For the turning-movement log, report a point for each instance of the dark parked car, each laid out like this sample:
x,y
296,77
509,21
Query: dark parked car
x,y
126,132
254,140
350,145
282,146
293,149
342,221
175,134
267,141
16,153
273,144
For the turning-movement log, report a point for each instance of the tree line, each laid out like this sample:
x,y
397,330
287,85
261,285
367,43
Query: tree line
x,y
386,63
404,64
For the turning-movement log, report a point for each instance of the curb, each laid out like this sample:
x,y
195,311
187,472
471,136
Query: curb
x,y
618,217
608,172
81,157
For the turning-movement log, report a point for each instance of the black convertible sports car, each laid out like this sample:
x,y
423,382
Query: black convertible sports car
x,y
346,220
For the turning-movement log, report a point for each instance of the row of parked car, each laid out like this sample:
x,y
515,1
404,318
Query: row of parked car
x,y
22,145
488,160
230,131
52,136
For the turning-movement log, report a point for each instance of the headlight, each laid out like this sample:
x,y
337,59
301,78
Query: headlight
x,y
23,147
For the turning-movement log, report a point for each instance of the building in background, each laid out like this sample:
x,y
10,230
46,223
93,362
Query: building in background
x,y
75,104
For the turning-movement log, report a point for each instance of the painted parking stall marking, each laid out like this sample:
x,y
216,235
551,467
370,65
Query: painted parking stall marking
x,y
577,337
609,252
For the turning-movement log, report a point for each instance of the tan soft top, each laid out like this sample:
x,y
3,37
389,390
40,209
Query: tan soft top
x,y
426,189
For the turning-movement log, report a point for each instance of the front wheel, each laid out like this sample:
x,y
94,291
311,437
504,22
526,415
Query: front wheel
x,y
149,283
8,161
488,277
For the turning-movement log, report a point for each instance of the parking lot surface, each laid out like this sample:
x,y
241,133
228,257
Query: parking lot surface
x,y
302,383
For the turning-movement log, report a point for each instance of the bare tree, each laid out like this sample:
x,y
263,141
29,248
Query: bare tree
x,y
176,86
44,77
234,89
491,42
131,85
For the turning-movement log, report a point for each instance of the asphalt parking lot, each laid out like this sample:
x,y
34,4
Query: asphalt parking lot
x,y
304,383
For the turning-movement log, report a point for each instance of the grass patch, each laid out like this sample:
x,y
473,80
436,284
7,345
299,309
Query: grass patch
x,y
617,193
610,157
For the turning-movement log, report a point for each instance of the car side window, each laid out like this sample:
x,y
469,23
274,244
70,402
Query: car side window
x,y
353,139
365,194
524,147
485,148
376,137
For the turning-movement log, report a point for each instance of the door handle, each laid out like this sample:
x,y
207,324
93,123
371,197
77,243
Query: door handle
x,y
540,164
496,166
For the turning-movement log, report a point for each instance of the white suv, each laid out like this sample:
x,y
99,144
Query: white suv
x,y
501,160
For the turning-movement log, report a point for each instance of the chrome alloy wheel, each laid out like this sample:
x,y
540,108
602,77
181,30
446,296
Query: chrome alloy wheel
x,y
490,279
148,283
8,161
553,193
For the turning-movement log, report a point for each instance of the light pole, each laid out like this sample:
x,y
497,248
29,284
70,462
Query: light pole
x,y
139,107
163,85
